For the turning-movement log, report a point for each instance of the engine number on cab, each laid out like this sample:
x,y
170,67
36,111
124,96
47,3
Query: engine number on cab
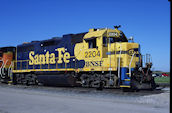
x,y
92,54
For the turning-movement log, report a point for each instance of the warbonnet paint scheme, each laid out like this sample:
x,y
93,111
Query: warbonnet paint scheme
x,y
98,58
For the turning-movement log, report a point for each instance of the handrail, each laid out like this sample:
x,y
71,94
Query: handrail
x,y
2,63
4,68
119,60
1,67
10,70
130,64
19,63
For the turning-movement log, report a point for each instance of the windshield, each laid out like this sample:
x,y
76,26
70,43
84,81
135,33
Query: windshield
x,y
117,39
106,40
112,40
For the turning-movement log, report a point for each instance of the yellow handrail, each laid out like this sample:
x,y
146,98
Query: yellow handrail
x,y
27,64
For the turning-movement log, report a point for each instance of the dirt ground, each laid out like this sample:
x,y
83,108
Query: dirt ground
x,y
35,99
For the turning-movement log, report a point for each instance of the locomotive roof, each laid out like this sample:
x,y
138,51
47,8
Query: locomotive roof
x,y
105,31
39,41
75,38
7,47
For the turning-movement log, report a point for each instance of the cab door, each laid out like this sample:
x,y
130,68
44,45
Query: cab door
x,y
111,48
105,47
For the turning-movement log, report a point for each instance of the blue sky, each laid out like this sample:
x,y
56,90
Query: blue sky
x,y
148,21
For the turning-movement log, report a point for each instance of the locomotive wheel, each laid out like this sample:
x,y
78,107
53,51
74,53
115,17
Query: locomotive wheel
x,y
153,84
14,81
101,85
135,85
27,83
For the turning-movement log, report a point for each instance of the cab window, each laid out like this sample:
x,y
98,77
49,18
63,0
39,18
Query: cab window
x,y
92,43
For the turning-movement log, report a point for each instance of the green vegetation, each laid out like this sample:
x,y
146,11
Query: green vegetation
x,y
160,72
162,79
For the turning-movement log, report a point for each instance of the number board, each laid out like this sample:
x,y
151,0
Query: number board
x,y
113,34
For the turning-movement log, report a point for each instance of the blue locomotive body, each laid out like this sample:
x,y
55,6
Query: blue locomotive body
x,y
41,52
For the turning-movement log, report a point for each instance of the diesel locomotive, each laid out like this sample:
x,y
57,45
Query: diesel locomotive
x,y
98,58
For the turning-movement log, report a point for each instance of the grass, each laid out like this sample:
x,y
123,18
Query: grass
x,y
162,79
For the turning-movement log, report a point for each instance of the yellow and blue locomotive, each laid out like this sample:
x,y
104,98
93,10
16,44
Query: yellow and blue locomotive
x,y
98,58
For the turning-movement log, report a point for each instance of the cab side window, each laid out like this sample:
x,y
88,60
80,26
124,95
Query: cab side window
x,y
92,43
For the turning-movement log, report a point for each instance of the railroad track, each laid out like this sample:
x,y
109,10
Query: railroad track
x,y
83,91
